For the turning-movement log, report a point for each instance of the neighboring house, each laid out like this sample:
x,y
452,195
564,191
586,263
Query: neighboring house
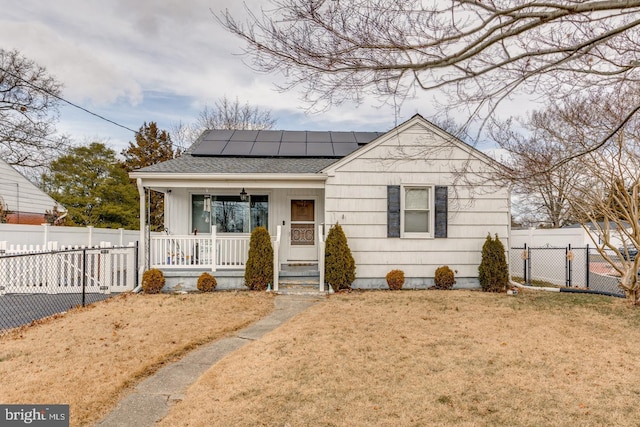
x,y
26,203
404,199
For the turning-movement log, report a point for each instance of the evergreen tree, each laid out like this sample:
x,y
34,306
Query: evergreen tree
x,y
339,265
151,146
493,272
259,269
94,187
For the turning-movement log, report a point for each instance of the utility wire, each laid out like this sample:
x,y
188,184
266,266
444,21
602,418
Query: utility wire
x,y
15,76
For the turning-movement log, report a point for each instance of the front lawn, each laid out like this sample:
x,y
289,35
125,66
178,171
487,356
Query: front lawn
x,y
421,358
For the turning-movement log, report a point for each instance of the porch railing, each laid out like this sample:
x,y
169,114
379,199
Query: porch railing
x,y
214,251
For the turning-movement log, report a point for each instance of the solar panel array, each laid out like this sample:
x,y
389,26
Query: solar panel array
x,y
278,143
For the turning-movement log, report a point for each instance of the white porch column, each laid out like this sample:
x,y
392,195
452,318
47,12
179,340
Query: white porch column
x,y
214,254
276,259
142,246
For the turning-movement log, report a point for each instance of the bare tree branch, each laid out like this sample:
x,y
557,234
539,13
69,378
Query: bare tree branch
x,y
28,112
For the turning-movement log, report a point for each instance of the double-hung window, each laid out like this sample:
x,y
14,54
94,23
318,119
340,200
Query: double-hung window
x,y
417,211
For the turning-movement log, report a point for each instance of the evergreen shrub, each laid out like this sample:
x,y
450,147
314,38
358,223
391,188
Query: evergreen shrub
x,y
259,270
207,283
492,272
339,265
444,278
395,279
152,281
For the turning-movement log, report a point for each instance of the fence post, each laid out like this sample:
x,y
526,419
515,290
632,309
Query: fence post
x,y
528,263
84,275
46,234
569,266
588,264
524,261
90,230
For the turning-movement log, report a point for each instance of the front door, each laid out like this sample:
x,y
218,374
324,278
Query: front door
x,y
302,238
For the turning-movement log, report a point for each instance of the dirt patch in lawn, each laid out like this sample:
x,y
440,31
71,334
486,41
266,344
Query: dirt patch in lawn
x,y
417,358
90,356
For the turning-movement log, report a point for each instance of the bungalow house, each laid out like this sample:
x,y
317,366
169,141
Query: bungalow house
x,y
414,198
25,203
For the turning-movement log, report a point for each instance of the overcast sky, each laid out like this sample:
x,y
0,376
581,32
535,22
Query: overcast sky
x,y
162,61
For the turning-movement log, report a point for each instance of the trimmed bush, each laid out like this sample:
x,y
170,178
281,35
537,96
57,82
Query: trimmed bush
x,y
444,278
207,283
152,281
259,271
395,279
492,272
339,265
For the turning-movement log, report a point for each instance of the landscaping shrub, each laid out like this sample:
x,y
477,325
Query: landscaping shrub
x,y
444,278
492,272
207,283
152,281
339,265
259,270
395,279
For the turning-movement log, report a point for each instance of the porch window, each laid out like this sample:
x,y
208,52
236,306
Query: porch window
x,y
416,212
229,213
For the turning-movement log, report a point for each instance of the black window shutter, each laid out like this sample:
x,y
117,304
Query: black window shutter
x,y
441,200
393,211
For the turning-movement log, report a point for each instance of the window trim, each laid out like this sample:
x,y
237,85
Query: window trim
x,y
417,235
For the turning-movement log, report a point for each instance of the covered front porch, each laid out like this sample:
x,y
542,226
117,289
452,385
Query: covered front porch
x,y
186,256
208,228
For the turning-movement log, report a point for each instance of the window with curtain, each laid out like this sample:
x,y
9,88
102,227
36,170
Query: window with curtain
x,y
229,213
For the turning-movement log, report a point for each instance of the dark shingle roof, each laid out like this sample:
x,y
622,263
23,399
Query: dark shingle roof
x,y
191,164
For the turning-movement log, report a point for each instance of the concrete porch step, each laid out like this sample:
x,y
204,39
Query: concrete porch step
x,y
302,286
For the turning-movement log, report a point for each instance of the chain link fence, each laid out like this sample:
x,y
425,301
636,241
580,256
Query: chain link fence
x,y
38,285
570,267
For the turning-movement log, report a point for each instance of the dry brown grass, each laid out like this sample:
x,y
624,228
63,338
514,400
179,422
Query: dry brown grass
x,y
90,356
420,358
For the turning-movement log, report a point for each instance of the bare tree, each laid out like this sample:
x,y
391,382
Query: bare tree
x,y
542,193
479,51
599,189
225,114
606,201
28,112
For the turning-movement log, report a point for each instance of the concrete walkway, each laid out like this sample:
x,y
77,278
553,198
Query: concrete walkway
x,y
150,401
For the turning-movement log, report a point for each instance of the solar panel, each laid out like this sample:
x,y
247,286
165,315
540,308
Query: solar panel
x,y
365,137
297,149
209,148
294,136
265,149
318,137
244,135
343,137
218,135
269,136
237,148
319,149
342,149
267,143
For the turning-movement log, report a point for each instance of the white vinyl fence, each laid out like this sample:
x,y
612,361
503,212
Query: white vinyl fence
x,y
72,270
43,235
